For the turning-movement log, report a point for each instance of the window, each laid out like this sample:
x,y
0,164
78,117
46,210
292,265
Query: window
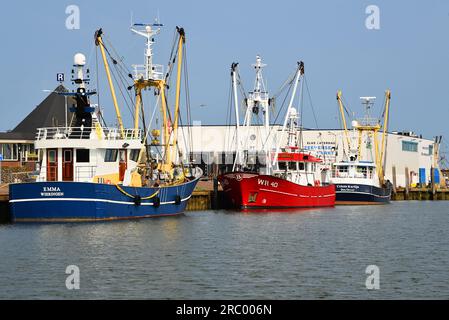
x,y
9,151
430,150
301,166
282,165
343,169
111,155
361,172
67,155
292,165
52,156
134,155
82,155
409,146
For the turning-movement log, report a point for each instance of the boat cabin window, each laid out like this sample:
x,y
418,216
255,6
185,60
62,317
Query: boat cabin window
x,y
67,156
362,172
282,165
342,169
134,155
82,155
111,155
52,156
301,166
292,165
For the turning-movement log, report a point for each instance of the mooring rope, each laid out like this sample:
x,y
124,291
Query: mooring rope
x,y
133,197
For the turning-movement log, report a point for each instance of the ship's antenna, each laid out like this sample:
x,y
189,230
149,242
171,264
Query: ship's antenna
x,y
368,102
147,71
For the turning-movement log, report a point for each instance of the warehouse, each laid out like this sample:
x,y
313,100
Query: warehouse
x,y
214,147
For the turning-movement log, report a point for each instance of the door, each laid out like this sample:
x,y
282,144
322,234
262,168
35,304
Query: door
x,y
67,164
122,166
52,164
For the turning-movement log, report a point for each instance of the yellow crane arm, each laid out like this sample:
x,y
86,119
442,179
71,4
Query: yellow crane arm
x,y
340,103
178,84
99,42
384,133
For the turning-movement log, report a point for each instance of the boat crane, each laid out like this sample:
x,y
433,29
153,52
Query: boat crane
x,y
150,75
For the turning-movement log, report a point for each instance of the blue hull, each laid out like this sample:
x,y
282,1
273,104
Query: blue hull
x,y
361,194
79,201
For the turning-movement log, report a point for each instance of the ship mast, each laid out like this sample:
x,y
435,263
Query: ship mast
x,y
290,110
150,75
256,100
238,159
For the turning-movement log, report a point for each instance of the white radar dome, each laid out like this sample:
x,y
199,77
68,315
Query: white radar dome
x,y
354,123
148,29
293,112
79,59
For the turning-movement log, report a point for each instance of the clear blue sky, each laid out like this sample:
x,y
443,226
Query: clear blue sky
x,y
409,54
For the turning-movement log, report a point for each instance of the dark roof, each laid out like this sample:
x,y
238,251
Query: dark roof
x,y
49,113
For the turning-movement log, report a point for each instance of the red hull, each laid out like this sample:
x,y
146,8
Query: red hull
x,y
252,190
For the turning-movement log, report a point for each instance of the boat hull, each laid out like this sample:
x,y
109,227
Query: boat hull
x,y
357,194
251,190
79,201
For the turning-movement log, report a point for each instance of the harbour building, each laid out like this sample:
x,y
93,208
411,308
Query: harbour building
x,y
408,156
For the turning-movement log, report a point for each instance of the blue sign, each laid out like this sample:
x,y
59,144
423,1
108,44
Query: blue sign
x,y
1,157
60,77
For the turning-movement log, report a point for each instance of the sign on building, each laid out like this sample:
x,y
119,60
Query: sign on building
x,y
60,77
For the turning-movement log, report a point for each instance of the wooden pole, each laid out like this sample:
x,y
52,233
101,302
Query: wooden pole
x,y
407,183
432,181
394,179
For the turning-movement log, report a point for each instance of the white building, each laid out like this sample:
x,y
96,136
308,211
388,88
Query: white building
x,y
216,145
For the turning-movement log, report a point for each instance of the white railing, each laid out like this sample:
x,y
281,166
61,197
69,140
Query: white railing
x,y
261,95
57,133
84,173
371,122
157,72
345,174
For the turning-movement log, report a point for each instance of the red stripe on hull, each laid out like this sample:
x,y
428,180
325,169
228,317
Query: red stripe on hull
x,y
251,190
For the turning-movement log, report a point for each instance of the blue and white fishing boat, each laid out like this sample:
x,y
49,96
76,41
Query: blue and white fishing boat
x,y
90,172
361,181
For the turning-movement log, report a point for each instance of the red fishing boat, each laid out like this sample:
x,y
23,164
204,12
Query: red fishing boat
x,y
291,177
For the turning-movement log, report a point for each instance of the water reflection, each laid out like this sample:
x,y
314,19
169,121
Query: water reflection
x,y
287,254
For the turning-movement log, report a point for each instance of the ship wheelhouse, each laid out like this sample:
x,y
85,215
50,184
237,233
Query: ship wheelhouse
x,y
363,172
299,167
94,154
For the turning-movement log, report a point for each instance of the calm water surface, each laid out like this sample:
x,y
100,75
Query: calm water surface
x,y
309,254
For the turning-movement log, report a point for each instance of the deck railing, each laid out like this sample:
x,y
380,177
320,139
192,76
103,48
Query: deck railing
x,y
57,133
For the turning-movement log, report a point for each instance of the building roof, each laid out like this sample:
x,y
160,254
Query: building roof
x,y
49,113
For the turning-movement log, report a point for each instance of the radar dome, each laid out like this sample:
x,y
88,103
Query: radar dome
x,y
79,59
354,123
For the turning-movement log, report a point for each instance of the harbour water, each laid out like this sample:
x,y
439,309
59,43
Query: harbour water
x,y
307,254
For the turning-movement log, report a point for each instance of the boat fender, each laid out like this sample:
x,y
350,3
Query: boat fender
x,y
178,200
137,200
317,183
156,202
